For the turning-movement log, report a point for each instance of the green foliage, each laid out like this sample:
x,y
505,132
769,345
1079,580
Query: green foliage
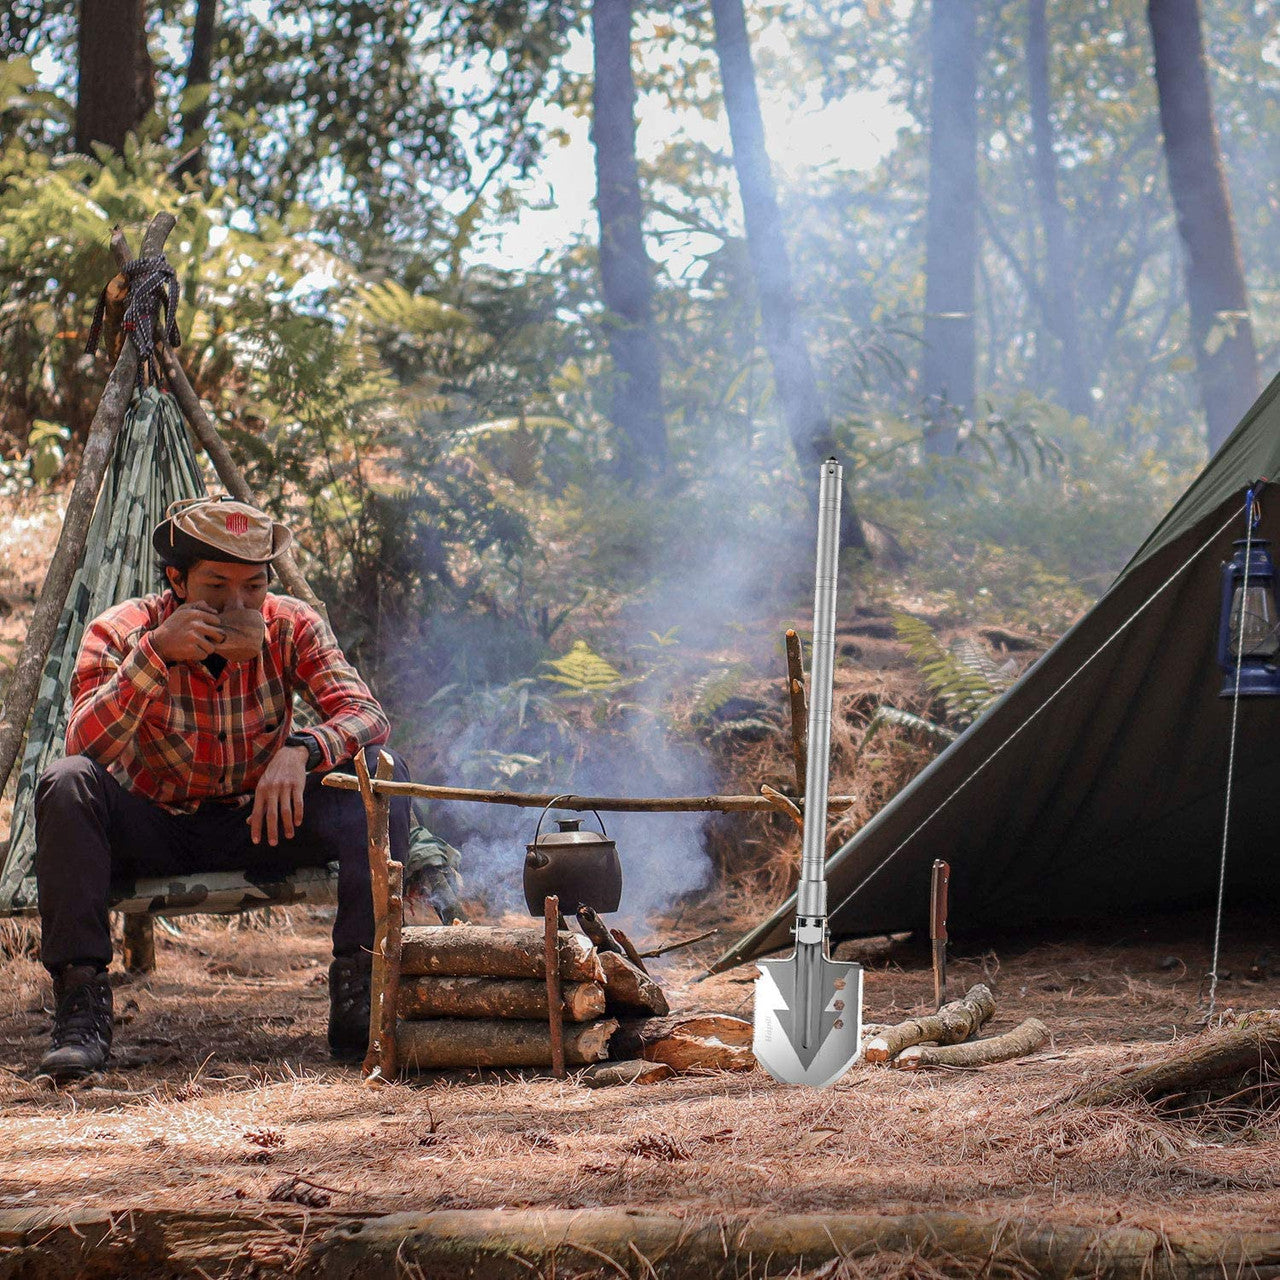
x,y
47,442
713,690
961,677
583,672
896,718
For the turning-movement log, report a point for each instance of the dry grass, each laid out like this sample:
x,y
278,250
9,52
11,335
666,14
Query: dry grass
x,y
221,1094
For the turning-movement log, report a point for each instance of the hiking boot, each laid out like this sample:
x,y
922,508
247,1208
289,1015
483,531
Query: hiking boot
x,y
349,995
81,1038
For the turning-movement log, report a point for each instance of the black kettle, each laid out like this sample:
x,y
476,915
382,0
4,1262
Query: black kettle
x,y
578,867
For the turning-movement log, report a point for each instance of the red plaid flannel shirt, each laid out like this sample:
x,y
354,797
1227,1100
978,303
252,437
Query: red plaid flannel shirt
x,y
174,734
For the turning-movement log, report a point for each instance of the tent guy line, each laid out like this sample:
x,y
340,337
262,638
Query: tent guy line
x,y
1251,517
1115,635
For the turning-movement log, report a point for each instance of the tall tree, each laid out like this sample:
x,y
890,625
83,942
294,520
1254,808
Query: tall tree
x,y
198,86
1221,331
1059,267
951,235
626,274
116,78
807,421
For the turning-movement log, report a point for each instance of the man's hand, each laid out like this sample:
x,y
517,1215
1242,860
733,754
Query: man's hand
x,y
189,634
277,799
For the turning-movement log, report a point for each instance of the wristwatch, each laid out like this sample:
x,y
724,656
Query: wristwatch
x,y
315,757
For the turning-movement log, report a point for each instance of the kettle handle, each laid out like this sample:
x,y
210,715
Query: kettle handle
x,y
551,804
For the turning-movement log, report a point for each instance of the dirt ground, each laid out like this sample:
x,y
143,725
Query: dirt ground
x,y
220,1091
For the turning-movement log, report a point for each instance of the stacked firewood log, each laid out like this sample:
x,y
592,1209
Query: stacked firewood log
x,y
476,996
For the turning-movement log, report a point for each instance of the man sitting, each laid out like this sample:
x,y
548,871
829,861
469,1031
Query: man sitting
x,y
180,760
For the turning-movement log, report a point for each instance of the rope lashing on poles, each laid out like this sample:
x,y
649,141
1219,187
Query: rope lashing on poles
x,y
152,282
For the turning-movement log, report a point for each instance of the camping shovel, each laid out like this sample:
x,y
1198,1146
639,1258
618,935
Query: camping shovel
x,y
809,1007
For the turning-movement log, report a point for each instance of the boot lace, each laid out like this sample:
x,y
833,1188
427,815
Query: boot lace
x,y
350,989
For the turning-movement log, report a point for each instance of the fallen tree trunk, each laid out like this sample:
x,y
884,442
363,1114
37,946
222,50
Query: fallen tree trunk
x,y
1019,1042
460,1244
448,997
467,1042
627,988
476,951
952,1023
514,1245
1216,1055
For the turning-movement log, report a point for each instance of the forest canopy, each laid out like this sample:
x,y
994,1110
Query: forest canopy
x,y
989,309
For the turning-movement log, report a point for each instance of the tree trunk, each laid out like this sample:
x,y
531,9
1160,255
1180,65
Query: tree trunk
x,y
1059,268
951,236
952,1023
199,76
465,1042
446,997
626,275
1022,1040
513,1244
807,422
477,951
116,77
1221,332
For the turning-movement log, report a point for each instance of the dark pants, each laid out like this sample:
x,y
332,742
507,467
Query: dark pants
x,y
91,832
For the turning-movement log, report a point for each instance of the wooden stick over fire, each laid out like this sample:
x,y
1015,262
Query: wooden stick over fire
x,y
610,804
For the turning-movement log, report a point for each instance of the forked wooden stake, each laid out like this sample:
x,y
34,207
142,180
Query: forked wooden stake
x,y
555,1008
388,921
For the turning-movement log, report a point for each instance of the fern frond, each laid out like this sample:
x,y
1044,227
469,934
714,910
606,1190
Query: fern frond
x,y
581,670
712,690
900,719
958,677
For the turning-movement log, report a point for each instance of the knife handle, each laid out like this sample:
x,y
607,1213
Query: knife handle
x,y
938,894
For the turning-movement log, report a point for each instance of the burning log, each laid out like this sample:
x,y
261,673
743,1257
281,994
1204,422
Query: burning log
x,y
471,1042
688,1042
627,987
629,950
596,929
605,1075
474,951
952,1023
449,997
1019,1042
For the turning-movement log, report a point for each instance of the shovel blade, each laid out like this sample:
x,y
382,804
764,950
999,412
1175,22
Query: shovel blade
x,y
814,1048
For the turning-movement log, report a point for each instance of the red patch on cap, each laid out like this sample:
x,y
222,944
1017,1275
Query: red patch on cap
x,y
237,523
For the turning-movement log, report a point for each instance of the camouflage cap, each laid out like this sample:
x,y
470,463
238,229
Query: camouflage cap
x,y
219,528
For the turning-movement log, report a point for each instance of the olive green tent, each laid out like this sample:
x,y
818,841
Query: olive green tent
x,y
1096,785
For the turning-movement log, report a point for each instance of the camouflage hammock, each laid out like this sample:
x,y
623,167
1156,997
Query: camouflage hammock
x,y
153,464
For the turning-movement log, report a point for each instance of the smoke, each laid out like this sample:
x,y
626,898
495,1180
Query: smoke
x,y
721,556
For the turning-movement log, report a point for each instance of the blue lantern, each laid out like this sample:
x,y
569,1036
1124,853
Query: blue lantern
x,y
1247,630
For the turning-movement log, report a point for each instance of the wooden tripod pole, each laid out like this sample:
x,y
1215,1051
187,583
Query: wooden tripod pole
x,y
24,687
